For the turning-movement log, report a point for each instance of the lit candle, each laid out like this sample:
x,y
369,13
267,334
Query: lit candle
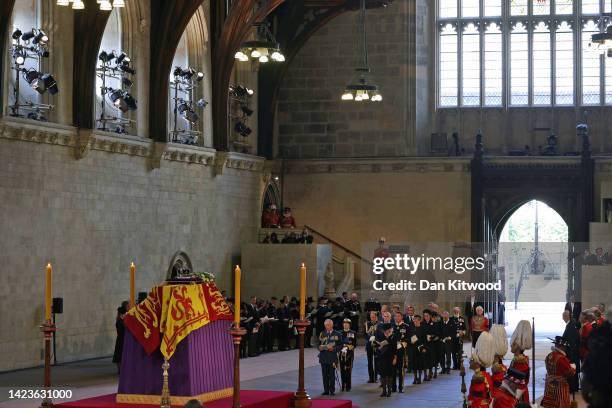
x,y
237,296
48,292
132,284
302,291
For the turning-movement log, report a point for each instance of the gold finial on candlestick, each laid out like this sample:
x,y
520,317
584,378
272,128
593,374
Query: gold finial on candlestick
x,y
165,397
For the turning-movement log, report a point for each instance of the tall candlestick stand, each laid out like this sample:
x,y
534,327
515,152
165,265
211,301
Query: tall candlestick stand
x,y
301,399
463,386
48,328
165,396
237,333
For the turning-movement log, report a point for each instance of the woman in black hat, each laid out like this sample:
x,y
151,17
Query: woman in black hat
x,y
120,327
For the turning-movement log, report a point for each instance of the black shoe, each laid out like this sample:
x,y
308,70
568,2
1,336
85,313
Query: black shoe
x,y
414,381
401,391
325,393
348,389
371,381
332,393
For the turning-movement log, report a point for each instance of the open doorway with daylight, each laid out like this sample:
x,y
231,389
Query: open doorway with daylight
x,y
532,262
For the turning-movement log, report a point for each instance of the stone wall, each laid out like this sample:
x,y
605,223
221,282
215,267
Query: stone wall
x,y
356,201
91,217
314,122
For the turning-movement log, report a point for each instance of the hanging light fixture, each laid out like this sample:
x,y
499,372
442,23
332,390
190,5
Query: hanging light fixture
x,y
105,5
359,89
264,48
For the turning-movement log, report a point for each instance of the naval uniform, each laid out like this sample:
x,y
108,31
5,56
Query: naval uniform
x,y
400,336
370,336
346,357
460,329
329,345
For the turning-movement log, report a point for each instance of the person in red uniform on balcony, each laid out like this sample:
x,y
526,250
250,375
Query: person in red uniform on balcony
x,y
559,370
521,340
509,392
500,344
481,386
287,220
269,217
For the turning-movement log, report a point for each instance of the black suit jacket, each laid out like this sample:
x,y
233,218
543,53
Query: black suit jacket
x,y
575,312
573,338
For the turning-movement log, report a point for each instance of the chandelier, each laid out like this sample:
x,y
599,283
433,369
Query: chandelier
x,y
105,5
359,89
263,49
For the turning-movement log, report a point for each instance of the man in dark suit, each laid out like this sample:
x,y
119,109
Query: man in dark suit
x,y
572,336
574,308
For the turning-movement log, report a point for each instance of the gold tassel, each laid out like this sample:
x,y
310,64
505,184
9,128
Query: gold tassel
x,y
574,404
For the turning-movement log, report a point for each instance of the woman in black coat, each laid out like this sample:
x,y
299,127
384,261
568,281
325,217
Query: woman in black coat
x,y
120,327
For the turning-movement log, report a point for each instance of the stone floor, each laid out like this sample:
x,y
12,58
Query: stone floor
x,y
270,371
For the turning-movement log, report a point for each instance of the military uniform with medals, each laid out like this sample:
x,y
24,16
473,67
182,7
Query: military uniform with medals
x,y
329,345
346,356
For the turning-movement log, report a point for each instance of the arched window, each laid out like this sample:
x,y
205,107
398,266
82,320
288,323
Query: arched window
x,y
32,87
115,103
189,116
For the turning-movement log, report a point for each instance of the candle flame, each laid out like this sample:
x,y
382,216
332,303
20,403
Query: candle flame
x,y
132,264
303,265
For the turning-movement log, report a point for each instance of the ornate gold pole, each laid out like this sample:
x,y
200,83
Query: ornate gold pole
x,y
48,328
237,333
165,397
301,399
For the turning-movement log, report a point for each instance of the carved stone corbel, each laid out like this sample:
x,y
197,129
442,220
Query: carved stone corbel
x,y
157,154
84,141
221,159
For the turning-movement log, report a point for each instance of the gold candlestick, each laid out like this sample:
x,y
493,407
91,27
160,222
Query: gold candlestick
x,y
165,397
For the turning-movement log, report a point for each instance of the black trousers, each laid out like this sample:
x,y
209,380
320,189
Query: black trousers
x,y
346,370
252,344
475,336
457,351
447,353
398,377
372,373
329,380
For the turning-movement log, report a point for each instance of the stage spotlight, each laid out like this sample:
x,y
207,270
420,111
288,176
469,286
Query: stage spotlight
x,y
123,57
122,100
27,36
105,57
40,38
127,82
43,53
187,113
200,76
30,76
50,84
125,67
19,56
246,110
16,34
242,129
202,103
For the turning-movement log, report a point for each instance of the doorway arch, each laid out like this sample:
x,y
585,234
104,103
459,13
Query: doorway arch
x,y
532,263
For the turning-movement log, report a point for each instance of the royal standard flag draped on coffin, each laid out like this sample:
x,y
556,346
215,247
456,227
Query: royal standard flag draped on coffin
x,y
171,312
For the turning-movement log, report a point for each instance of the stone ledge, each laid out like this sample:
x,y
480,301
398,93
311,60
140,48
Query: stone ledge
x,y
379,165
85,140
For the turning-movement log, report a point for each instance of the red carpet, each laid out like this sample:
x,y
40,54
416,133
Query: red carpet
x,y
248,399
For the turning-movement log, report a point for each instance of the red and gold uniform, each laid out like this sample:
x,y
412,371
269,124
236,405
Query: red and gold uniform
x,y
481,389
270,218
520,362
498,372
558,372
478,324
504,399
585,332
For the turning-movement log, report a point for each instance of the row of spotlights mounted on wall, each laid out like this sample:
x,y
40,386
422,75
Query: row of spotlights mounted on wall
x,y
105,5
188,74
